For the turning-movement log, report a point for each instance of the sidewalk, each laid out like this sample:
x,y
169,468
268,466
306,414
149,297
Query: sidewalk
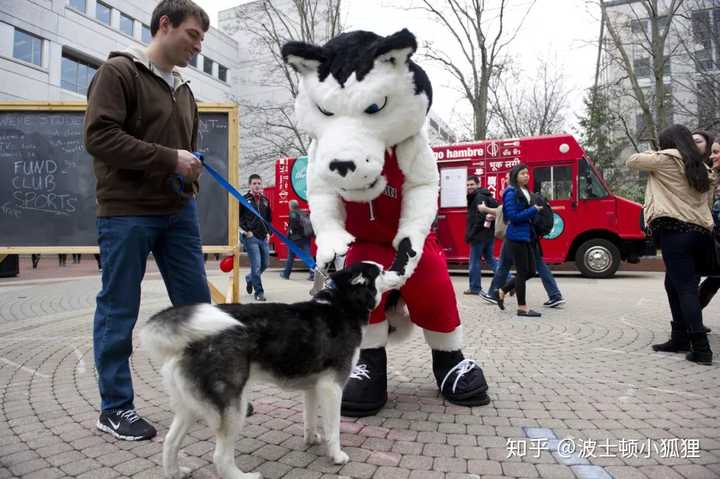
x,y
576,394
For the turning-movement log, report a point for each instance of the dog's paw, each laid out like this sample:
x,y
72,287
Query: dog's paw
x,y
312,438
340,458
181,473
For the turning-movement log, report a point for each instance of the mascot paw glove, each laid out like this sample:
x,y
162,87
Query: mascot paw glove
x,y
332,244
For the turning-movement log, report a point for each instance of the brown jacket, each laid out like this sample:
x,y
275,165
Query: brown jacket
x,y
134,125
668,192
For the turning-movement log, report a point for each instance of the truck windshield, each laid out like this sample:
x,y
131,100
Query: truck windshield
x,y
591,187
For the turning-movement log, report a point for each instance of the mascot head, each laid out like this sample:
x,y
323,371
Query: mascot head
x,y
359,95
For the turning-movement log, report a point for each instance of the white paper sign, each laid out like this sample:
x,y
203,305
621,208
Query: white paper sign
x,y
453,192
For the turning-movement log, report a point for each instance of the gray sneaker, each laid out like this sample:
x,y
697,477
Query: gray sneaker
x,y
126,425
488,298
554,303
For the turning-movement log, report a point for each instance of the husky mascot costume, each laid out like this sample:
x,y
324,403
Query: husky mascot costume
x,y
372,190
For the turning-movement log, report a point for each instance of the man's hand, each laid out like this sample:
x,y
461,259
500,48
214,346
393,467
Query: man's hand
x,y
188,165
248,234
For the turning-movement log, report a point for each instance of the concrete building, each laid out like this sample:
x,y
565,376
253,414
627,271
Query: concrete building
x,y
50,49
691,75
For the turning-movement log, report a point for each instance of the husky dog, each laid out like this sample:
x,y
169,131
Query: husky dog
x,y
211,355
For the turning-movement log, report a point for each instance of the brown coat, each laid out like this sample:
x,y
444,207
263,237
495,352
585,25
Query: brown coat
x,y
134,125
668,192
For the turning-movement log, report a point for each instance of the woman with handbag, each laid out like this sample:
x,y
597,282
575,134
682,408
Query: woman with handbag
x,y
518,213
677,209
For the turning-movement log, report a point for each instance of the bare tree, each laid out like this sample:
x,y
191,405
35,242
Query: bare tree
x,y
521,109
480,32
267,123
644,28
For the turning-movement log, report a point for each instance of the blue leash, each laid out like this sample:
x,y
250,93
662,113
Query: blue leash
x,y
309,261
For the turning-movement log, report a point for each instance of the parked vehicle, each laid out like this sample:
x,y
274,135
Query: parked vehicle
x,y
592,227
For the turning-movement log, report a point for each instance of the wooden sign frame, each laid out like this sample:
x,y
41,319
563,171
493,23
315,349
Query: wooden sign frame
x,y
233,207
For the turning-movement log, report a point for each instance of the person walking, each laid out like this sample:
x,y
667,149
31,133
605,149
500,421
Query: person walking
x,y
141,126
677,208
479,233
518,213
255,236
300,231
710,286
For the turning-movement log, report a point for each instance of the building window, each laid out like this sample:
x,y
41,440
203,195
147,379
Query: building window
x,y
127,24
708,105
207,65
27,47
146,35
76,74
193,61
222,73
642,67
79,5
103,13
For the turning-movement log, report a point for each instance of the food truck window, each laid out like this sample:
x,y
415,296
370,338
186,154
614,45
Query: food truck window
x,y
553,182
590,185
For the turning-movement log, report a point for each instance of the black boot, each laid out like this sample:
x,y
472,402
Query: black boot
x,y
366,390
679,341
699,349
460,380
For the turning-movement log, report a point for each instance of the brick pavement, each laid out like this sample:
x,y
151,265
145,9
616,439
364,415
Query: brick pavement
x,y
582,376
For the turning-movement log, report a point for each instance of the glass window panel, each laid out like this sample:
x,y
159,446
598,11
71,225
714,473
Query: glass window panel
x,y
68,74
222,73
27,47
102,13
146,35
562,182
127,24
208,66
542,178
193,61
590,185
79,5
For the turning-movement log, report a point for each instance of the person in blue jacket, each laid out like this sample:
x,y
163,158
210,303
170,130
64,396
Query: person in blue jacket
x,y
518,213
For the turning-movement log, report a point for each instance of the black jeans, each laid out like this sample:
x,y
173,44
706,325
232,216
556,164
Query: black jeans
x,y
524,259
686,255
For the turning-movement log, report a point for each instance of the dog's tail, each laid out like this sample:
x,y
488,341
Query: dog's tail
x,y
167,333
398,317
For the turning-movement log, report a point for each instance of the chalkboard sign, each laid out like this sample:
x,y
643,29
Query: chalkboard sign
x,y
47,184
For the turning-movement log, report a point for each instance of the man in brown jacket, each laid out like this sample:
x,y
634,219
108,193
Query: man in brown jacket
x,y
140,128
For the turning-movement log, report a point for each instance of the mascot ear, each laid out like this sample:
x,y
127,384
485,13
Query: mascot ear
x,y
397,48
303,57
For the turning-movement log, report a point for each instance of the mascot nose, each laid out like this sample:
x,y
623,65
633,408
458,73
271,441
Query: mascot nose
x,y
342,167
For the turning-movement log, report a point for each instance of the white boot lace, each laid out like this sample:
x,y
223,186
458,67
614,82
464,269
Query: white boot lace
x,y
360,371
462,368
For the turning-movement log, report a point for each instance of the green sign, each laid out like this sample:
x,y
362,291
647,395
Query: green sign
x,y
298,177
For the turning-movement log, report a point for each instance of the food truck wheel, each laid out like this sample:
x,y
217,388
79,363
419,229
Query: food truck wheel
x,y
598,258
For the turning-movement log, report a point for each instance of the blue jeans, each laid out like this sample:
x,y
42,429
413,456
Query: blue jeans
x,y
125,243
502,275
479,251
304,245
259,254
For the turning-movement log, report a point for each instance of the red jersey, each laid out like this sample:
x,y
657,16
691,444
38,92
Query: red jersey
x,y
378,220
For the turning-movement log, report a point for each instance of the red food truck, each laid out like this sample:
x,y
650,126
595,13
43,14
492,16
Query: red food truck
x,y
593,227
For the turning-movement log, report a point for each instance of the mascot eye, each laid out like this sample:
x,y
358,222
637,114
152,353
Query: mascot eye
x,y
325,112
374,108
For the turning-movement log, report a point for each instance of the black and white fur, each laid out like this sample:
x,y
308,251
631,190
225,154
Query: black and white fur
x,y
359,95
211,355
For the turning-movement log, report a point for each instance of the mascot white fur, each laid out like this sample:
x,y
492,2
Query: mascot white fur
x,y
372,190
